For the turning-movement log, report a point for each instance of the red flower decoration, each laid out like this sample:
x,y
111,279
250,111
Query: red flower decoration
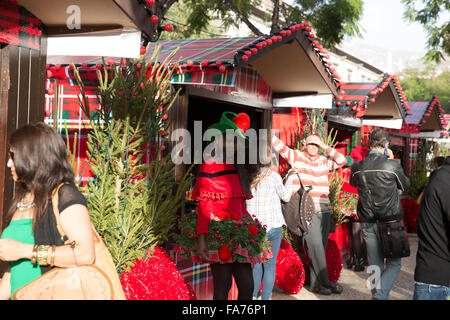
x,y
252,229
222,215
290,274
224,253
155,278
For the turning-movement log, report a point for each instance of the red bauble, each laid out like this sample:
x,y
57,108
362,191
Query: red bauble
x,y
311,36
244,57
190,63
372,100
57,66
49,74
338,103
218,63
84,65
222,69
50,91
168,27
154,19
288,32
283,33
205,63
109,62
150,3
143,50
98,66
224,253
269,41
155,278
165,116
254,50
248,53
289,274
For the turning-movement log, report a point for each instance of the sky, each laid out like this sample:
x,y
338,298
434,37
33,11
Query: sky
x,y
385,27
388,40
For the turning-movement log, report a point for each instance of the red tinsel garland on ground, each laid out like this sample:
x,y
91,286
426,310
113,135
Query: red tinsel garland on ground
x,y
155,278
289,275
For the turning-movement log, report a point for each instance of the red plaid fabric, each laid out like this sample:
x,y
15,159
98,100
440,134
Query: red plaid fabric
x,y
19,27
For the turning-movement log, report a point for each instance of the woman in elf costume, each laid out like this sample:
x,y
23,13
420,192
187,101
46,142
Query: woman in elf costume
x,y
221,231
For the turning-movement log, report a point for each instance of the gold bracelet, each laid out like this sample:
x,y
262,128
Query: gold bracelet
x,y
33,259
42,255
52,258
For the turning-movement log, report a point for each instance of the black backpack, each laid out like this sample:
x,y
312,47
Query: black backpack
x,y
298,212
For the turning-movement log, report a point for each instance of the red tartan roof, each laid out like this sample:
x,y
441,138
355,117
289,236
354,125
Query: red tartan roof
x,y
358,95
198,54
420,111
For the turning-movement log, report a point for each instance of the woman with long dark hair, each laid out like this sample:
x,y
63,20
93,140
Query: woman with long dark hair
x,y
30,241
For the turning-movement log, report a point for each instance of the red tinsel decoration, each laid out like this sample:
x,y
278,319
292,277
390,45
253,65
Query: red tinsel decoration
x,y
155,278
289,275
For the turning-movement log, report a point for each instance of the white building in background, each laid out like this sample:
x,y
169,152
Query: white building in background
x,y
353,69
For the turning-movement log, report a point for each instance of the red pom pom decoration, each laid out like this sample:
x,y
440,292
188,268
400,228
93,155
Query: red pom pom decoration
x,y
155,278
242,121
154,19
168,27
222,69
150,3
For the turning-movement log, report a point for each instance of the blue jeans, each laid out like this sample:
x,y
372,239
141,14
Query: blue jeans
x,y
384,271
266,271
431,292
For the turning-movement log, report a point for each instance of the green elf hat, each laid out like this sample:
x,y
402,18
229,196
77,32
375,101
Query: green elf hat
x,y
230,120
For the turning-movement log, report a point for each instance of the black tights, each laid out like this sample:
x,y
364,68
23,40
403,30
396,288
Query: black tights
x,y
242,273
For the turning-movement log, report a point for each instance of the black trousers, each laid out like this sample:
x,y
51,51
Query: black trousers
x,y
242,273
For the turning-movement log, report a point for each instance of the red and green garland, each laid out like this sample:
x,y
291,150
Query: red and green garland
x,y
230,238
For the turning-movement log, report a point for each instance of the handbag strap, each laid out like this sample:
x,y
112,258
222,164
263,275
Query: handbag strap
x,y
299,179
55,198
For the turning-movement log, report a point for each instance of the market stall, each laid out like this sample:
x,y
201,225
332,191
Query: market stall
x,y
215,75
425,122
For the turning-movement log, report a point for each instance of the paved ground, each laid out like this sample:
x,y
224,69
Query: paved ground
x,y
354,283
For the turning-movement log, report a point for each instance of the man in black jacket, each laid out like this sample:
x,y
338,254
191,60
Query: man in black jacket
x,y
432,274
378,178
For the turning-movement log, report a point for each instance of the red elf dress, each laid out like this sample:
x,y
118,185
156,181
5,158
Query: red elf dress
x,y
230,232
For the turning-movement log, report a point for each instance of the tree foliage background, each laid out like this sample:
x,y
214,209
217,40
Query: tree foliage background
x,y
421,85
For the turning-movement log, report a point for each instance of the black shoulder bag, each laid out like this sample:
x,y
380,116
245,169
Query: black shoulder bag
x,y
392,234
298,212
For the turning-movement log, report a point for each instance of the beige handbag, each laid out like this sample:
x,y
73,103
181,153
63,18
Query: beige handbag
x,y
98,281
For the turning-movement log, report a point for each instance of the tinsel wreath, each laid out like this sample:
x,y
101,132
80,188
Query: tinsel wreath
x,y
155,278
334,260
289,275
